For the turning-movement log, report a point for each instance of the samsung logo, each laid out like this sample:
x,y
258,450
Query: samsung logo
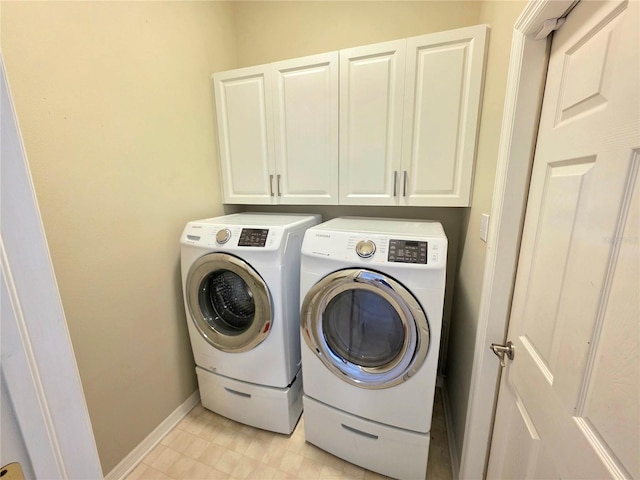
x,y
323,235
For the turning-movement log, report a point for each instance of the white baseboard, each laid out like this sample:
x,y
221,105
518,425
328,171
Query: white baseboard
x,y
137,454
453,451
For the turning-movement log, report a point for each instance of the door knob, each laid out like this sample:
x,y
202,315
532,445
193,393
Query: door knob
x,y
502,350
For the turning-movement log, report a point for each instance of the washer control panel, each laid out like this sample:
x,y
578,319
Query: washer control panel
x,y
407,251
231,238
253,237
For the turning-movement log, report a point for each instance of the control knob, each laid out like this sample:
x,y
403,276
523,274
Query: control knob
x,y
365,248
223,236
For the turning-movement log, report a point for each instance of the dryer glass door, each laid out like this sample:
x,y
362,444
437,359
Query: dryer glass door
x,y
229,302
365,327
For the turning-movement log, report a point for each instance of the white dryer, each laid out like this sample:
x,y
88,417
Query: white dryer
x,y
240,278
372,294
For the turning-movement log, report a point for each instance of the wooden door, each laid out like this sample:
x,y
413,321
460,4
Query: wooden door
x,y
305,112
569,401
371,103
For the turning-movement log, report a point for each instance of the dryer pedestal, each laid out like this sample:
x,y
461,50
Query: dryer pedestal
x,y
387,450
269,408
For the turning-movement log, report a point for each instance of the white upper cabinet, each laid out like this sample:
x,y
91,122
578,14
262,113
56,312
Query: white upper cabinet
x,y
371,105
444,80
409,113
278,132
392,123
305,109
245,134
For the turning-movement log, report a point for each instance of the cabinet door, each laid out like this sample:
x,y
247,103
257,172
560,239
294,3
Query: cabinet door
x,y
444,79
305,108
371,94
245,135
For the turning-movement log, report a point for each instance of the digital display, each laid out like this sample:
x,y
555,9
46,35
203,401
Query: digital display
x,y
407,251
253,237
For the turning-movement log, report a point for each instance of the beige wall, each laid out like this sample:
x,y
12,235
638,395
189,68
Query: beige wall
x,y
501,15
115,107
270,31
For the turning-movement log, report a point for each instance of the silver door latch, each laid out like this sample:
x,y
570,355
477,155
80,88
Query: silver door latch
x,y
502,350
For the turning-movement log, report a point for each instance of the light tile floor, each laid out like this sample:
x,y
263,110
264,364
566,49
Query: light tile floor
x,y
205,445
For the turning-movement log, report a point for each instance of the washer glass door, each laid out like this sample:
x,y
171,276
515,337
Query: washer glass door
x,y
229,302
365,327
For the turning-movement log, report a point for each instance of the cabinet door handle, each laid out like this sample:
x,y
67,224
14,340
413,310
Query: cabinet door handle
x,y
271,185
395,183
278,184
404,184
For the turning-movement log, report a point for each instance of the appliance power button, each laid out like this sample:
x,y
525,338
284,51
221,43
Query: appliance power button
x,y
223,236
365,248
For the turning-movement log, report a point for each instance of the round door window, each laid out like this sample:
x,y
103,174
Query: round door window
x,y
365,327
229,302
226,302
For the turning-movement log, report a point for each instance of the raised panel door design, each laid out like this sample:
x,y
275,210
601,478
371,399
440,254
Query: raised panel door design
x,y
306,129
371,105
243,111
575,377
444,81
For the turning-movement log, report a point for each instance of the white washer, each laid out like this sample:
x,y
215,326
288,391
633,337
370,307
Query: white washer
x,y
240,278
371,317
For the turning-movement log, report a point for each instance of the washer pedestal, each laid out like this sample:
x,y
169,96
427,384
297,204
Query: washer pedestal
x,y
387,450
269,408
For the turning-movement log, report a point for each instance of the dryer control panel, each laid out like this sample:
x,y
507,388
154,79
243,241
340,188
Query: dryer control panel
x,y
407,251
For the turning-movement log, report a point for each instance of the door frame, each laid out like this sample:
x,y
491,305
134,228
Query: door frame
x,y
523,99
